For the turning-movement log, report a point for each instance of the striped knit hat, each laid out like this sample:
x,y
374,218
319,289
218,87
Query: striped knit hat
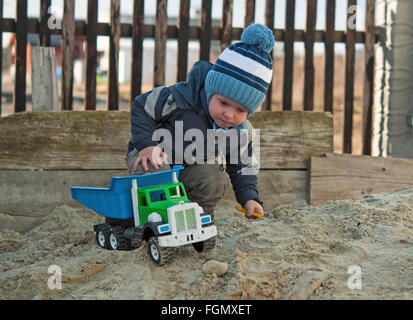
x,y
243,71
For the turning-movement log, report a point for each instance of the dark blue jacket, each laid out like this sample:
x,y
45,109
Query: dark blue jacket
x,y
182,107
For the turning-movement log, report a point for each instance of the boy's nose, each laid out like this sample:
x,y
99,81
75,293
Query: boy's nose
x,y
228,115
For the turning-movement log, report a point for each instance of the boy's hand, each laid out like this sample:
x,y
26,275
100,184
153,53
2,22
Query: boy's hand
x,y
154,154
252,206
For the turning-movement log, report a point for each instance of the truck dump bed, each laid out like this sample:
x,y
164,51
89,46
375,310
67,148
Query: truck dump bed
x,y
116,201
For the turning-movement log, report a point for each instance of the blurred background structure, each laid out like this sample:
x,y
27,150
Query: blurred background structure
x,y
110,51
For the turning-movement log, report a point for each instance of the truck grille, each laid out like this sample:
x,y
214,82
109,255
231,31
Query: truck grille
x,y
185,220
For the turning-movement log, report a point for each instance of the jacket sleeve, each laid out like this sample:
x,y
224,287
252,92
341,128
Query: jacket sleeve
x,y
146,116
244,176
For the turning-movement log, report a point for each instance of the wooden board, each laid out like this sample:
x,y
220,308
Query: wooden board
x,y
337,177
290,138
99,140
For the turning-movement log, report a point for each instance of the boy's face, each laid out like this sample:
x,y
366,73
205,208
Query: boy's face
x,y
225,112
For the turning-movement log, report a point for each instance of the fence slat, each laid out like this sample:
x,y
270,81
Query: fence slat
x,y
68,43
309,56
368,77
183,35
113,76
249,12
91,55
349,77
205,28
329,56
161,29
21,55
269,22
226,24
1,53
289,56
44,36
137,49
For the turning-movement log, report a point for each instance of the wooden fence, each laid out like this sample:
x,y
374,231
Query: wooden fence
x,y
205,33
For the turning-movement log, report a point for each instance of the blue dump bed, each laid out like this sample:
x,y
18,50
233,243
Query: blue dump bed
x,y
116,201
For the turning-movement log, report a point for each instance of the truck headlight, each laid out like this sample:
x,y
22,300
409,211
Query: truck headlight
x,y
206,219
164,228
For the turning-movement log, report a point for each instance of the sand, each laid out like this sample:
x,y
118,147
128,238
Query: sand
x,y
296,251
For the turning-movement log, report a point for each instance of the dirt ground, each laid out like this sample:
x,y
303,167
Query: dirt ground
x,y
295,252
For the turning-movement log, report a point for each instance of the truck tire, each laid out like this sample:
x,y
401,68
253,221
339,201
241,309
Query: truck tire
x,y
208,244
117,241
102,235
159,255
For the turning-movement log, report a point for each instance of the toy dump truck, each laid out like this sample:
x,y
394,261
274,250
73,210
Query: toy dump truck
x,y
152,208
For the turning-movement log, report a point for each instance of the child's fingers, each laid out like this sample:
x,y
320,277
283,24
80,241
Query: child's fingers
x,y
154,163
139,160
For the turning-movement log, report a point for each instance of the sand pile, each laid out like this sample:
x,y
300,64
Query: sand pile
x,y
295,252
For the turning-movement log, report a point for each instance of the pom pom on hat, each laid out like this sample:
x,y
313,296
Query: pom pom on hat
x,y
260,36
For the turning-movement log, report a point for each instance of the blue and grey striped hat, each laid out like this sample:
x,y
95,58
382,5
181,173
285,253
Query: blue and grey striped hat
x,y
243,71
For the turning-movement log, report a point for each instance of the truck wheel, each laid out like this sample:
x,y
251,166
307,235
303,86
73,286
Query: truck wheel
x,y
102,235
208,244
117,241
159,255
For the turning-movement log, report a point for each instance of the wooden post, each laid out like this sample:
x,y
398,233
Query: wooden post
x,y
68,43
289,56
1,53
45,96
368,77
21,55
113,86
183,35
349,79
161,29
329,60
250,12
226,24
205,38
137,49
269,22
91,55
44,35
309,55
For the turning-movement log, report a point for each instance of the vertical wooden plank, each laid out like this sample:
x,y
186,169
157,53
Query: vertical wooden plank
x,y
309,56
1,54
289,56
368,77
137,49
226,24
349,76
91,54
68,43
112,100
249,12
269,22
21,56
44,35
329,56
205,26
161,29
183,35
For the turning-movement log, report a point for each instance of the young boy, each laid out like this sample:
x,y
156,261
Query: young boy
x,y
217,98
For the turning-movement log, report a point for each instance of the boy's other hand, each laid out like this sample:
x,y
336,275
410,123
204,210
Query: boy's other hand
x,y
154,154
252,206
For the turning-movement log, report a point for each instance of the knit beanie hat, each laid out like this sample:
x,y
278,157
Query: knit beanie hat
x,y
243,71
